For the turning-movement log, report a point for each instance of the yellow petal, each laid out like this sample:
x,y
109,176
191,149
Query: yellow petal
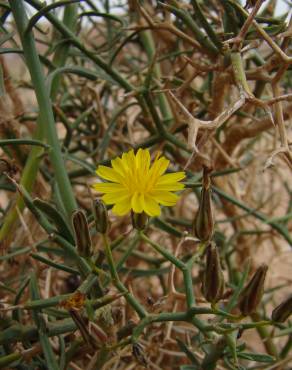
x,y
137,202
129,160
171,177
108,173
116,197
122,208
119,166
160,166
143,159
151,207
108,187
166,198
174,186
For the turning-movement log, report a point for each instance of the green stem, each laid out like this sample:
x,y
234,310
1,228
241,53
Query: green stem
x,y
164,252
188,282
280,228
265,336
205,24
27,180
147,40
31,167
68,34
239,73
69,19
46,120
117,282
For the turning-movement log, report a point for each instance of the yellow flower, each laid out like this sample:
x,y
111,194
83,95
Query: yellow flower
x,y
136,184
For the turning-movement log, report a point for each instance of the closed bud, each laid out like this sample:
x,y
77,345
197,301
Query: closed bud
x,y
139,355
126,330
82,235
249,4
213,279
252,294
283,311
203,225
139,220
100,216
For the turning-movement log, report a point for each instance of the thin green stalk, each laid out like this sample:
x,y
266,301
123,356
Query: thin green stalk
x,y
205,24
280,228
27,180
164,252
117,282
148,43
9,359
61,53
188,282
23,142
45,107
67,33
32,164
208,45
239,73
41,326
265,336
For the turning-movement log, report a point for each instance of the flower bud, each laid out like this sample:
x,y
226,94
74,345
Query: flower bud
x,y
252,294
213,279
139,220
126,330
100,216
283,311
203,225
138,353
82,235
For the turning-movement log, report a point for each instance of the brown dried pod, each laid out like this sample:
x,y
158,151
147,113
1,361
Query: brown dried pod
x,y
203,225
283,311
138,353
249,4
82,235
126,330
252,294
100,216
139,220
213,279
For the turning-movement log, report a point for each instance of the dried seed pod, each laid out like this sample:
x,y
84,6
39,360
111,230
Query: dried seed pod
x,y
283,311
8,166
126,330
139,220
100,216
213,279
252,294
138,353
82,235
203,225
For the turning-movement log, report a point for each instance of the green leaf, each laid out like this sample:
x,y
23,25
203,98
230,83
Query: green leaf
x,y
103,15
41,325
56,218
162,225
183,347
258,357
284,332
33,20
21,141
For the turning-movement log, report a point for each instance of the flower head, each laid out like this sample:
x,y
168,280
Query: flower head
x,y
136,184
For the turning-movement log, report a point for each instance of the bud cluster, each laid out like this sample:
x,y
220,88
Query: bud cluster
x,y
203,225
